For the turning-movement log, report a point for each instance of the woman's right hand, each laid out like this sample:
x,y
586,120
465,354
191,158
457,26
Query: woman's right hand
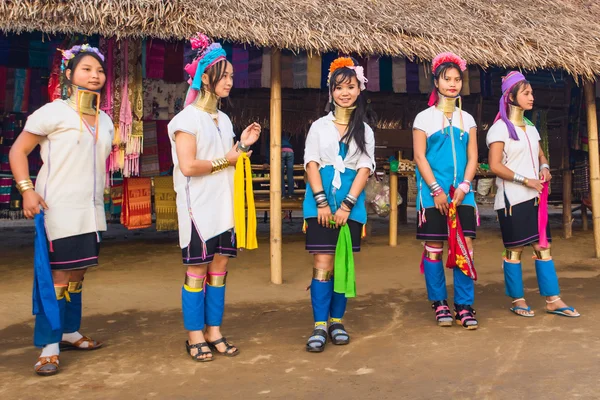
x,y
441,203
32,202
324,216
535,184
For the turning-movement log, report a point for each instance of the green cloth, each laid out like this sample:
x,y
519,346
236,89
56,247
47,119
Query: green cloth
x,y
343,269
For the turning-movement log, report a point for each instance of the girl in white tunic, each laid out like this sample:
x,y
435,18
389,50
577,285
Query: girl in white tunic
x,y
522,170
203,150
75,139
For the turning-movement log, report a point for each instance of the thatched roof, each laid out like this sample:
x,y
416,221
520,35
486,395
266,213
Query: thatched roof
x,y
531,34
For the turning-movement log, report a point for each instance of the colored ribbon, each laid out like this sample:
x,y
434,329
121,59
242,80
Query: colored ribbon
x,y
458,252
43,296
246,235
543,216
343,268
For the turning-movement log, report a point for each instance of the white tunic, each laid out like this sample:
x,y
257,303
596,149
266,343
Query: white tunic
x,y
520,156
73,173
205,202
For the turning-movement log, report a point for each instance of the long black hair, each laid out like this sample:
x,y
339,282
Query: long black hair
x,y
362,113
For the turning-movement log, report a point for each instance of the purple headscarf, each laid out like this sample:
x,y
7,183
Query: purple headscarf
x,y
508,82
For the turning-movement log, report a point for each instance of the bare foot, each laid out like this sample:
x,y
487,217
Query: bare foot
x,y
555,302
523,304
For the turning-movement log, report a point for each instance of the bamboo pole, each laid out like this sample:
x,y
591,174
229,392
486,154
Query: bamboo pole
x,y
592,126
275,184
394,206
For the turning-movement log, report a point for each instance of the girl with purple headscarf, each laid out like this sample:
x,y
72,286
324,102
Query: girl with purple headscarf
x,y
523,175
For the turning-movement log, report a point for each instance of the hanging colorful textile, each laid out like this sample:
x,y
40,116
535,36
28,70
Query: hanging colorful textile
x,y
300,70
287,72
165,161
474,79
116,199
466,85
165,204
240,59
314,71
9,90
242,188
174,63
136,211
38,53
425,81
458,252
343,268
155,59
54,82
254,67
149,159
265,76
107,47
399,74
412,77
21,91
116,160
3,72
385,74
373,74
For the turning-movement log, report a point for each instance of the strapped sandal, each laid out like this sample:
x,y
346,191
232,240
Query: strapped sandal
x,y
198,356
319,336
465,316
561,311
516,309
91,344
443,316
228,347
47,366
335,331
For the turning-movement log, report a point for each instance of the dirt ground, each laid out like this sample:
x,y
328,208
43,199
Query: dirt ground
x,y
132,302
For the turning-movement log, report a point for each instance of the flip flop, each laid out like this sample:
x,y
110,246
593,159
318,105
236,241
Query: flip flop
x,y
561,311
526,309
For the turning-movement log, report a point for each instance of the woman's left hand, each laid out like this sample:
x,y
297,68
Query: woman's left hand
x,y
341,217
250,134
459,196
545,175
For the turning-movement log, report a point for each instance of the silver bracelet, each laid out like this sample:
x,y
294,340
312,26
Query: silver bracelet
x,y
434,186
242,148
351,198
544,166
519,179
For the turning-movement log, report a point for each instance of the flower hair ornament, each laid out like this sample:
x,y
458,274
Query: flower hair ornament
x,y
347,62
208,53
444,58
68,55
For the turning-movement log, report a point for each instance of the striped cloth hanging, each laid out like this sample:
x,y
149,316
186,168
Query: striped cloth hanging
x,y
314,71
385,74
475,79
373,74
300,71
265,76
287,72
399,74
255,59
425,78
240,62
412,77
466,86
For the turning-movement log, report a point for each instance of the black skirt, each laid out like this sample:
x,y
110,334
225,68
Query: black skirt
x,y
223,244
74,252
435,228
519,224
321,240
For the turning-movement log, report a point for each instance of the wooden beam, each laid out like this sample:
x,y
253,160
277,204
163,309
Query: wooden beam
x,y
592,126
275,185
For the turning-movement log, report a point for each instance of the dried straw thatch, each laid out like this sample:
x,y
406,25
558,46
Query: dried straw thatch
x,y
531,34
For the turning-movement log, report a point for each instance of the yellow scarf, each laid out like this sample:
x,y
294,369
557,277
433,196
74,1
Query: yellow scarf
x,y
245,238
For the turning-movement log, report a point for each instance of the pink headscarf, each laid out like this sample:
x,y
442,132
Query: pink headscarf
x,y
440,59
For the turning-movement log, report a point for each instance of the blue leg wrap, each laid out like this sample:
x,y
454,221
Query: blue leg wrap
x,y
320,296
464,288
547,278
513,279
43,333
214,305
192,304
435,280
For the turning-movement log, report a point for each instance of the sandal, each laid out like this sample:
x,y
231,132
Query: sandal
x,y
91,344
47,366
465,316
561,311
228,347
526,311
335,331
443,316
319,336
198,356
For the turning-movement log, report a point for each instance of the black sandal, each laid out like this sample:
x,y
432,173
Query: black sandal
x,y
198,356
335,331
319,336
227,353
443,316
465,316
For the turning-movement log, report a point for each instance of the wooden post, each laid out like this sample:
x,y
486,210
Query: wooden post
x,y
394,205
584,217
592,126
275,184
567,217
